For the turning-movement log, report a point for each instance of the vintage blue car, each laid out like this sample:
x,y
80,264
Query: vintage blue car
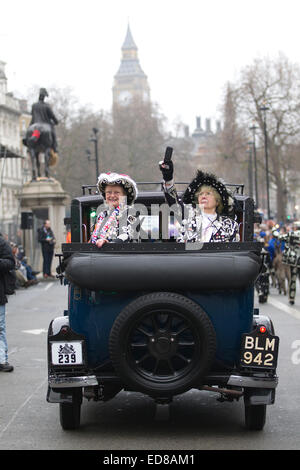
x,y
160,317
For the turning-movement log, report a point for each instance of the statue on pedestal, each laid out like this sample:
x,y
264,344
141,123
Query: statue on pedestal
x,y
41,137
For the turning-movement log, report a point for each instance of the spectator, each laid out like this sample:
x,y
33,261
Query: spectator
x,y
47,240
31,274
6,264
24,273
275,243
20,270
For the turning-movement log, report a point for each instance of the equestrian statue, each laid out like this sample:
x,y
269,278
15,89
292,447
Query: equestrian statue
x,y
40,136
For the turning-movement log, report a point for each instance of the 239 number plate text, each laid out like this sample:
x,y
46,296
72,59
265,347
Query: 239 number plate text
x,y
66,353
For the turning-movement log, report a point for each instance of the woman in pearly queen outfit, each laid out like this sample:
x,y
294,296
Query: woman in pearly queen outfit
x,y
114,224
206,205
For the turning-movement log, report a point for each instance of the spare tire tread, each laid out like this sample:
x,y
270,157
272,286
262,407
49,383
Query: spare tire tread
x,y
200,325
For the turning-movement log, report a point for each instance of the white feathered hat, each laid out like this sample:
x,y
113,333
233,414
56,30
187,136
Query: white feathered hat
x,y
125,181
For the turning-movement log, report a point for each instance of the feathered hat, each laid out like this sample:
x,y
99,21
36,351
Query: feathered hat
x,y
125,181
208,179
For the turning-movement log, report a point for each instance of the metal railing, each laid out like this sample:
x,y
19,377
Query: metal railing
x,y
239,188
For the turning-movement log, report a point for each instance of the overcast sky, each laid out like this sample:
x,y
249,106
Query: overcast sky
x,y
188,49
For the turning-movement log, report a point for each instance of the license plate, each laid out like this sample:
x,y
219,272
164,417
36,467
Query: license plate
x,y
66,353
259,350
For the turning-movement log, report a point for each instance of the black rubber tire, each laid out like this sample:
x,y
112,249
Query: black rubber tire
x,y
162,344
69,413
255,417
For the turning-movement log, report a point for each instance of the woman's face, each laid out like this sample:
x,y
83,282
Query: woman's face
x,y
207,200
114,195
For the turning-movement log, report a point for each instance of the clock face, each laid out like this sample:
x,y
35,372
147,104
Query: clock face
x,y
125,97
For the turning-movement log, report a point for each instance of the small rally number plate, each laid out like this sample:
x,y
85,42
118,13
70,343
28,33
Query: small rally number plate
x,y
66,353
259,350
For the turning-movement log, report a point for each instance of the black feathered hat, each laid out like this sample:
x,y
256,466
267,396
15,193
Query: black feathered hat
x,y
208,179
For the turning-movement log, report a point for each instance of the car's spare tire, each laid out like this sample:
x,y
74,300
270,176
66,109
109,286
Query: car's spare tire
x,y
162,344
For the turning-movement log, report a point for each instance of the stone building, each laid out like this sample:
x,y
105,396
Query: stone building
x,y
11,160
204,144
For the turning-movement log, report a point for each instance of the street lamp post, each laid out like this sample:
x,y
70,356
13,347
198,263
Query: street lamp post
x,y
264,109
253,129
250,169
94,139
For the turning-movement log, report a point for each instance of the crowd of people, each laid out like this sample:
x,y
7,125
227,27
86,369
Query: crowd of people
x,y
282,256
25,275
270,233
15,269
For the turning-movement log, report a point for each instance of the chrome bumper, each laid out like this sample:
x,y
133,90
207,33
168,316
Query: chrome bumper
x,y
256,382
70,382
234,380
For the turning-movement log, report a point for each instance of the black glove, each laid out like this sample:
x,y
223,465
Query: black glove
x,y
167,170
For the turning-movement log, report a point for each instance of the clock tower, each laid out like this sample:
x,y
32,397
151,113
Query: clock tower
x,y
130,82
